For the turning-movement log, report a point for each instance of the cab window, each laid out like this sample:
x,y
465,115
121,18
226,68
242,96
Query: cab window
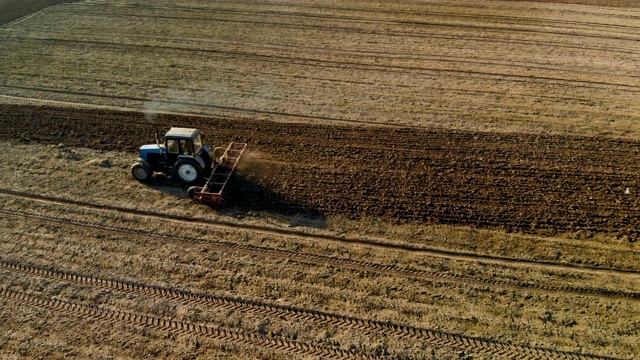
x,y
197,144
172,146
187,147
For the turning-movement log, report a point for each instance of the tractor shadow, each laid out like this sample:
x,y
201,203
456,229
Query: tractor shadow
x,y
245,195
166,185
246,198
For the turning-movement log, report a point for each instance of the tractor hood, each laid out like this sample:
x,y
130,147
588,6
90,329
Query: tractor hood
x,y
150,149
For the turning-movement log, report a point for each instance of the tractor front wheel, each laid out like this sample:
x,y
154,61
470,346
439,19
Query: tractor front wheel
x,y
188,171
141,172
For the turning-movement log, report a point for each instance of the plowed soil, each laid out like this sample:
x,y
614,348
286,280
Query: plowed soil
x,y
530,183
14,9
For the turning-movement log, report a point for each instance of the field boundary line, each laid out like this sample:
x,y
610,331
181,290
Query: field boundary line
x,y
72,104
442,253
356,265
79,105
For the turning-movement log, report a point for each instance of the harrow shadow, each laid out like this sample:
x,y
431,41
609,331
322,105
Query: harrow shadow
x,y
243,197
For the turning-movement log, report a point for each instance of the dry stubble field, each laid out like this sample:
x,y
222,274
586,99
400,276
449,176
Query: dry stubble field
x,y
425,180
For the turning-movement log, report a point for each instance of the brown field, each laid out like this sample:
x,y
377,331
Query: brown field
x,y
424,180
15,9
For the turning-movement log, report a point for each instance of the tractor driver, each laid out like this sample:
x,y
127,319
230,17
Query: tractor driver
x,y
186,146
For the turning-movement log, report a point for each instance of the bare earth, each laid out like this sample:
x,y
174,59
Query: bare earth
x,y
14,9
425,180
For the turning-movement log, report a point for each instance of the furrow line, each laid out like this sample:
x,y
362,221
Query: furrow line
x,y
342,263
367,53
341,64
350,10
118,316
335,19
368,326
415,141
414,137
79,105
411,248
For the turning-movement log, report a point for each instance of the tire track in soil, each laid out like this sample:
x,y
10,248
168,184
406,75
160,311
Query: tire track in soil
x,y
131,116
483,38
561,26
95,313
363,53
374,243
516,182
370,66
54,103
409,145
433,337
237,110
367,266
478,38
412,11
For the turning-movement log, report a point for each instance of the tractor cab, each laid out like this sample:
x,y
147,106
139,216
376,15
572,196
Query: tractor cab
x,y
182,141
183,155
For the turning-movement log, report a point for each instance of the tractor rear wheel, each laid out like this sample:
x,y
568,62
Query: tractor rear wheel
x,y
188,171
141,172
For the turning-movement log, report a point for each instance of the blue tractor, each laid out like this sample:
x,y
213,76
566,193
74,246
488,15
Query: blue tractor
x,y
183,155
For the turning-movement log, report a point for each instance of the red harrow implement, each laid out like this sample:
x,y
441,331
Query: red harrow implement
x,y
220,174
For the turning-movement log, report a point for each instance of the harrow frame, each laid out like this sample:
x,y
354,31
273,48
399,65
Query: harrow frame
x,y
212,190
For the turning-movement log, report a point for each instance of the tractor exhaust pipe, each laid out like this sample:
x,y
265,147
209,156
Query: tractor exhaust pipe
x,y
155,130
